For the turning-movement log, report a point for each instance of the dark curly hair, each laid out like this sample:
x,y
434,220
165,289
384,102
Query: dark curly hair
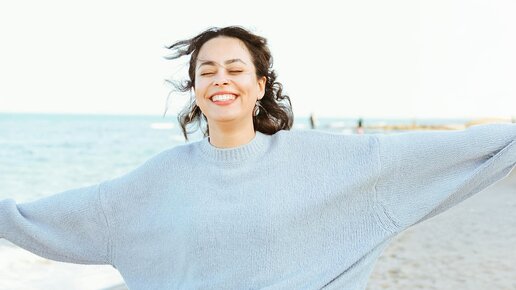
x,y
276,109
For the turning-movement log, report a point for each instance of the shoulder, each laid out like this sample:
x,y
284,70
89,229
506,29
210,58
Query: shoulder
x,y
316,140
314,136
174,154
158,167
171,157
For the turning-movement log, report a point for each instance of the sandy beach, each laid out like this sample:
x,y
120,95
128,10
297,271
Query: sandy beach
x,y
471,246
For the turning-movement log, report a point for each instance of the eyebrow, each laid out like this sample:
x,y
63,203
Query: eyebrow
x,y
210,62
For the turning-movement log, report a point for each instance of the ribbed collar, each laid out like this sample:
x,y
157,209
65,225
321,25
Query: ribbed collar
x,y
254,148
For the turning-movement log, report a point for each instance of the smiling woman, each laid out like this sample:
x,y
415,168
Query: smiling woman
x,y
255,205
235,86
227,89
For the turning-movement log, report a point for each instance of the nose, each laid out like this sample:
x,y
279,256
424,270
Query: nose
x,y
221,80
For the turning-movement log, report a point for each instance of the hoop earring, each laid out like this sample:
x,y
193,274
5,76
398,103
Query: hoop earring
x,y
192,112
256,110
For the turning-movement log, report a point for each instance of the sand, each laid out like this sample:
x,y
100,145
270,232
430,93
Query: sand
x,y
471,246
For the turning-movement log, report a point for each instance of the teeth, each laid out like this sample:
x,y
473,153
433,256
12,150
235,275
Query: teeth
x,y
223,97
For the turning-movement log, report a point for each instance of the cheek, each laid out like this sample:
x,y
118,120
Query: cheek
x,y
248,82
199,87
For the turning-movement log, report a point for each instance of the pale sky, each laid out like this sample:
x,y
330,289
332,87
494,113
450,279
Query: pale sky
x,y
405,59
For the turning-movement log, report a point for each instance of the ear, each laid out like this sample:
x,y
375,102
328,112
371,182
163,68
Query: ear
x,y
261,84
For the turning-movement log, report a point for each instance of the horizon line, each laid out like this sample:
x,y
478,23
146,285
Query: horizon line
x,y
316,116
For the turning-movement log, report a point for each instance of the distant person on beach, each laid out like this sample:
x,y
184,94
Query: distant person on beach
x,y
312,121
360,128
254,204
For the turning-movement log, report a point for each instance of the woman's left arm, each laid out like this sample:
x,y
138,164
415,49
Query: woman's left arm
x,y
425,173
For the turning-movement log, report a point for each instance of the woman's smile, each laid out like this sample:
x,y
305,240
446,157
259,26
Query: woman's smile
x,y
223,98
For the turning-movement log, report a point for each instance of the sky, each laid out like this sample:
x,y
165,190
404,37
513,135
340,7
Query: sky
x,y
377,59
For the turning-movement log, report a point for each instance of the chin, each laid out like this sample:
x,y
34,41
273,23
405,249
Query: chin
x,y
227,118
223,119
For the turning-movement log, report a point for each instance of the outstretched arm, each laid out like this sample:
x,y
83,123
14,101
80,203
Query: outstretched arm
x,y
425,173
69,227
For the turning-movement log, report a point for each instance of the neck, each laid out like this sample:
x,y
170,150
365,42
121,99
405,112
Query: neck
x,y
227,136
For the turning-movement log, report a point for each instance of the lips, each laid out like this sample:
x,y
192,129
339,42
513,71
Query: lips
x,y
226,97
222,94
223,98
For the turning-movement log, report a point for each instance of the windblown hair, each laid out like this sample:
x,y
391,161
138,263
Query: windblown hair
x,y
276,109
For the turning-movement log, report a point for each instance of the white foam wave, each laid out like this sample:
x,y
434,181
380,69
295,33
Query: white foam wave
x,y
162,126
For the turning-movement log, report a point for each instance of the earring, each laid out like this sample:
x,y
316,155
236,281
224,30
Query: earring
x,y
192,112
256,110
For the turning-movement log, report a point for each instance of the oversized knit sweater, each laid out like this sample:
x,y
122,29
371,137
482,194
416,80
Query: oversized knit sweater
x,y
295,210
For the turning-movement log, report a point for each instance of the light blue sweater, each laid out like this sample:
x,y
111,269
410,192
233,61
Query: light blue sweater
x,y
295,210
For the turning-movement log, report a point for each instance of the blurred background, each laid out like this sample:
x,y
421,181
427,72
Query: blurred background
x,y
83,90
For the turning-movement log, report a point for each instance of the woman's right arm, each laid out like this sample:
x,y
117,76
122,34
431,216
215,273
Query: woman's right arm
x,y
70,226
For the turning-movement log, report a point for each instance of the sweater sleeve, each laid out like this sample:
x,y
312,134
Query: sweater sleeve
x,y
68,227
425,173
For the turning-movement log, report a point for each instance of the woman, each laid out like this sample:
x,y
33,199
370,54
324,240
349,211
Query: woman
x,y
254,205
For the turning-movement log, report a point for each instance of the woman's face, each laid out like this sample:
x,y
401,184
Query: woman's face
x,y
226,86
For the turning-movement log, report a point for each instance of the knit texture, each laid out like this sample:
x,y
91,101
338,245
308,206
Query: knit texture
x,y
300,209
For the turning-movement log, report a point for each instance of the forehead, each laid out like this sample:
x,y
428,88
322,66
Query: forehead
x,y
220,49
